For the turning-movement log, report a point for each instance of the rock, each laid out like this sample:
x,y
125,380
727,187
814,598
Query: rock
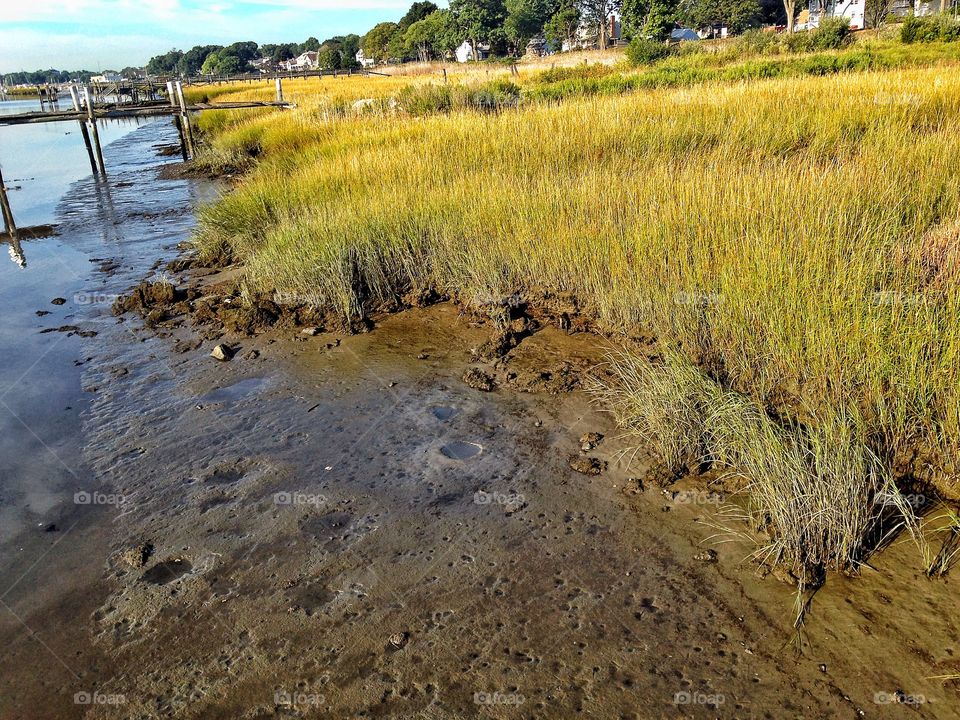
x,y
478,379
252,355
59,301
52,527
588,465
422,356
398,641
311,331
590,440
706,556
222,352
42,313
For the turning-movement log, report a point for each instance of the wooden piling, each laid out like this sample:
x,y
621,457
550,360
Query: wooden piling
x,y
96,133
279,84
185,120
8,224
75,98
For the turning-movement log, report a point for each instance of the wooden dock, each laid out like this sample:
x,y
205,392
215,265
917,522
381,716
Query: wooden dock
x,y
89,114
116,112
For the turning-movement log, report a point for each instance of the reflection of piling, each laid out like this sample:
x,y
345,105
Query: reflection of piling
x,y
95,133
171,95
75,98
8,224
185,120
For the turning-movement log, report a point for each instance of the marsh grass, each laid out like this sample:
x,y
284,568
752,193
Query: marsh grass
x,y
792,241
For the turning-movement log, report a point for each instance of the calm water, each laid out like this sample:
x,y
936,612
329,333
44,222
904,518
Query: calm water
x,y
130,221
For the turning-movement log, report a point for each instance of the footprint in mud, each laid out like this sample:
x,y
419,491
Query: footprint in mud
x,y
167,571
311,598
225,474
459,450
336,530
443,413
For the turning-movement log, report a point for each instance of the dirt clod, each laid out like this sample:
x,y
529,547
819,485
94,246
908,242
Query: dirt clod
x,y
478,379
588,465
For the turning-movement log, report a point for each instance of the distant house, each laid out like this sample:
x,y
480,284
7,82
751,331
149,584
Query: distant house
x,y
464,53
107,77
304,61
363,60
588,34
930,7
683,34
263,65
855,10
539,47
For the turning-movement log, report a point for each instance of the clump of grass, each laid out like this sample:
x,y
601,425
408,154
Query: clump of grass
x,y
820,497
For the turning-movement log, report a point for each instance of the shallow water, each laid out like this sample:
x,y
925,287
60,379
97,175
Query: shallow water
x,y
128,221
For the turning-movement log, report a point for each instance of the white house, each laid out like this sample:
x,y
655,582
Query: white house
x,y
305,61
855,10
364,60
464,53
107,77
930,7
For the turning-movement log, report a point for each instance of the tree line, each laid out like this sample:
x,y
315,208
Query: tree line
x,y
427,32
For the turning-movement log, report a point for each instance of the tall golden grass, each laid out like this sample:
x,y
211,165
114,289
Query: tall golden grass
x,y
795,238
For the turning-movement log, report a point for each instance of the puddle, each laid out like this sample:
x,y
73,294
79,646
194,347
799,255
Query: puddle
x,y
459,450
167,571
235,392
443,413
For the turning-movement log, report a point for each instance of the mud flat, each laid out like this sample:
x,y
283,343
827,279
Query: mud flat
x,y
358,525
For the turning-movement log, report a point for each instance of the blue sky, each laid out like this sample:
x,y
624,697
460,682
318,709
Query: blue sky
x,y
101,34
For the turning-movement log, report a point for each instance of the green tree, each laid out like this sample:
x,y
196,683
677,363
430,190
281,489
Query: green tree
x,y
165,64
597,13
417,12
478,20
376,43
348,51
735,15
659,22
329,59
192,60
311,44
562,27
526,18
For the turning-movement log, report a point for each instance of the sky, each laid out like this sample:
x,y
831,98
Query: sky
x,y
112,34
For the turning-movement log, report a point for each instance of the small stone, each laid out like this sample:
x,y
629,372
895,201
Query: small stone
x,y
310,331
706,556
252,355
422,356
222,352
59,301
399,640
